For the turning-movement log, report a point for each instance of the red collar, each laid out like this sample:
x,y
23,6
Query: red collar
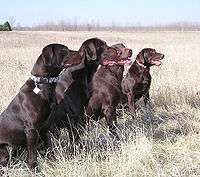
x,y
140,64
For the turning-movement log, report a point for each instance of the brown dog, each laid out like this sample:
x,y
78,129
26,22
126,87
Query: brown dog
x,y
137,82
21,122
106,87
73,96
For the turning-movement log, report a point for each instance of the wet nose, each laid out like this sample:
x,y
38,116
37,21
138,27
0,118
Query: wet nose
x,y
162,56
130,53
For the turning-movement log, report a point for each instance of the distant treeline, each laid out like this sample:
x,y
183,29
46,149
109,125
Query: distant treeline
x,y
5,27
62,26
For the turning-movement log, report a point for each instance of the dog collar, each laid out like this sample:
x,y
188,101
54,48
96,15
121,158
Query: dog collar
x,y
140,64
44,80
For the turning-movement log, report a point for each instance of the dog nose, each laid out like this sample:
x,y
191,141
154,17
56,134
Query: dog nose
x,y
162,56
130,53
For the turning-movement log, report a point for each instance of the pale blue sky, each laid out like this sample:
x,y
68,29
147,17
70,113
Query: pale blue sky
x,y
122,12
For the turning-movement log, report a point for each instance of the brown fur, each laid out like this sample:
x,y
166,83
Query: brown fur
x,y
136,83
106,89
21,122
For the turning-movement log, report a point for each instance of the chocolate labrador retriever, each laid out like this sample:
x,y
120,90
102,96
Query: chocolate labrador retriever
x,y
21,122
136,83
106,88
72,97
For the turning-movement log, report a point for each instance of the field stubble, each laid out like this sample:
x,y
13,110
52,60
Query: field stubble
x,y
161,141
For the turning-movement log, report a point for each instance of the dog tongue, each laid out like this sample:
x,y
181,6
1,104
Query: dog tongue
x,y
156,62
124,61
108,62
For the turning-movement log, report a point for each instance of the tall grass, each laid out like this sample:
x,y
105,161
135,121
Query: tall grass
x,y
162,140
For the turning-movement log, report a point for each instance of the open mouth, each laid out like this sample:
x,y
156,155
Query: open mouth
x,y
156,62
124,61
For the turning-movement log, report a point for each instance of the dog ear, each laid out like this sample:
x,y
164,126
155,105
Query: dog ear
x,y
47,56
90,52
140,57
53,55
62,55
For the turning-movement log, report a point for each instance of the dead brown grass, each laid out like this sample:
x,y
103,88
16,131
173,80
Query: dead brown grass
x,y
162,141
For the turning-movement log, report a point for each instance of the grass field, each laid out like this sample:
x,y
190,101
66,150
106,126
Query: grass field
x,y
162,141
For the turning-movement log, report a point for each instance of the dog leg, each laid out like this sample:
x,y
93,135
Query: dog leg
x,y
88,114
146,99
4,156
110,114
93,110
32,141
48,146
74,135
131,103
74,138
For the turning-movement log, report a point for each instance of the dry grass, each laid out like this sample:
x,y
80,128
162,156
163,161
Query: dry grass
x,y
162,141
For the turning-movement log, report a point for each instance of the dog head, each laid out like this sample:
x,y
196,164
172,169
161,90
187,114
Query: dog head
x,y
93,48
117,54
149,57
54,55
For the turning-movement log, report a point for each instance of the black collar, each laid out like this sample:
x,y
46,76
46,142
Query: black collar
x,y
44,80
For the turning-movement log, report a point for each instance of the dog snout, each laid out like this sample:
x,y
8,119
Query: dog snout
x,y
162,56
